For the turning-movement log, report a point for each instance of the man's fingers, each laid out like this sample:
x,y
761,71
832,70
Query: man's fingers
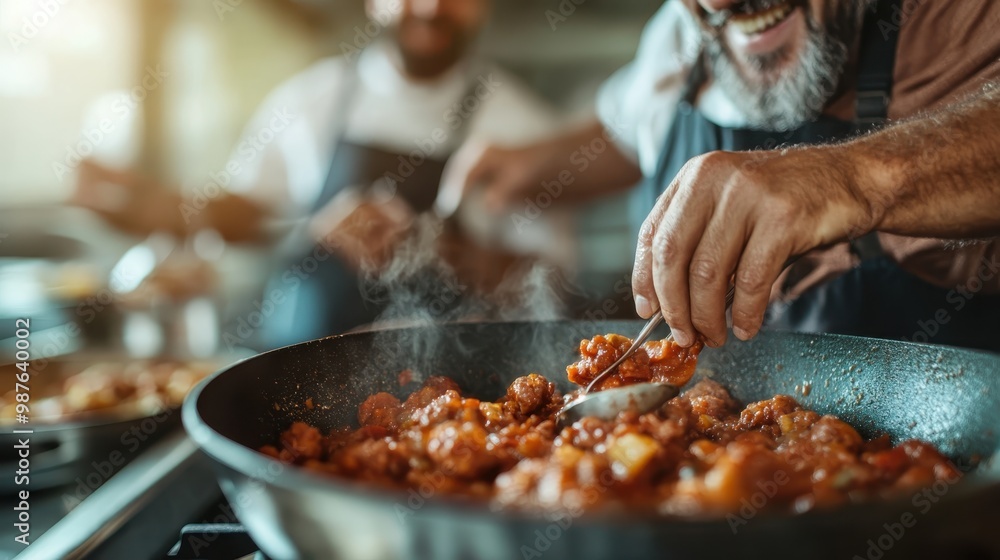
x,y
712,265
643,289
642,272
762,261
673,246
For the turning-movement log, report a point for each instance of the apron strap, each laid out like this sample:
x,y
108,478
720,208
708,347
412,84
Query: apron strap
x,y
342,112
687,104
476,71
874,92
877,65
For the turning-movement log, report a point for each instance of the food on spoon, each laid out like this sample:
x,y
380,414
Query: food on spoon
x,y
700,454
659,361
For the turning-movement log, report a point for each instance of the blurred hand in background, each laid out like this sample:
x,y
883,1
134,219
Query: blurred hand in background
x,y
361,228
508,175
125,199
139,206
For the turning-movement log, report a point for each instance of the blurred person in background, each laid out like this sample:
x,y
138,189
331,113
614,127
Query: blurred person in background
x,y
718,87
359,145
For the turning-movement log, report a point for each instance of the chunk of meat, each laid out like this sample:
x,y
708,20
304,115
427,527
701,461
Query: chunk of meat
x,y
710,388
302,441
432,388
380,409
766,413
709,398
449,406
460,449
671,363
829,431
373,459
661,361
671,424
529,394
917,463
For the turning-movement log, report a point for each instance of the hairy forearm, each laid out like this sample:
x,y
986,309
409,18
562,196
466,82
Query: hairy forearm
x,y
937,175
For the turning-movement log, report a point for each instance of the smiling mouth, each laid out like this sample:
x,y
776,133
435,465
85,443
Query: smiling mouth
x,y
761,21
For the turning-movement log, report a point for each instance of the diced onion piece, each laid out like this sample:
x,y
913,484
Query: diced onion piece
x,y
786,423
704,450
492,412
706,422
631,453
568,456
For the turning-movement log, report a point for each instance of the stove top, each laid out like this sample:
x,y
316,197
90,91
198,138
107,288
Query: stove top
x,y
145,512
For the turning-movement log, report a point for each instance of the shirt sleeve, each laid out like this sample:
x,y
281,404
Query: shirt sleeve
x,y
669,45
512,114
947,50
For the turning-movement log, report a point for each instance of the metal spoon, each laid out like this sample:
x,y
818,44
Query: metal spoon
x,y
642,397
607,404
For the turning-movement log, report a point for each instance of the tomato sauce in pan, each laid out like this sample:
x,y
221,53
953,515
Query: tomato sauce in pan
x,y
701,453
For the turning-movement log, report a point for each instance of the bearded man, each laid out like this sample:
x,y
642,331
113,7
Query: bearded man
x,y
836,160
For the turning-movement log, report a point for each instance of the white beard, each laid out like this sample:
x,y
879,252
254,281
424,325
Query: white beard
x,y
798,94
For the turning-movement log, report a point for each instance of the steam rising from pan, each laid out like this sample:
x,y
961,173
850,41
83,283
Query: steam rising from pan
x,y
420,288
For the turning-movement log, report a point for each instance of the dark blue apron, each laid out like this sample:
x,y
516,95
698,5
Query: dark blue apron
x,y
877,298
332,299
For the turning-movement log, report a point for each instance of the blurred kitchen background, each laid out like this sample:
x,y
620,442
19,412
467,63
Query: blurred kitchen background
x,y
166,87
67,64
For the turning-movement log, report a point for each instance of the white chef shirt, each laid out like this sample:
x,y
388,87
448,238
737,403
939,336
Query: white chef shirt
x,y
637,102
287,147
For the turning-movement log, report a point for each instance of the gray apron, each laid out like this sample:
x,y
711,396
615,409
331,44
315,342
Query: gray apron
x,y
332,299
876,298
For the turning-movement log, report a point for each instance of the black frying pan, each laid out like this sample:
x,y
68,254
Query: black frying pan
x,y
948,396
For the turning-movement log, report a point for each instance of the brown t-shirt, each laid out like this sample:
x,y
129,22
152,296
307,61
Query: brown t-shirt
x,y
947,51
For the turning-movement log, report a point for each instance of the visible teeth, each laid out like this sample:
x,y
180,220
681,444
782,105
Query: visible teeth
x,y
751,24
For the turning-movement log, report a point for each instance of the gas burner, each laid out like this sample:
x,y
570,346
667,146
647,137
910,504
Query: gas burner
x,y
218,541
139,513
